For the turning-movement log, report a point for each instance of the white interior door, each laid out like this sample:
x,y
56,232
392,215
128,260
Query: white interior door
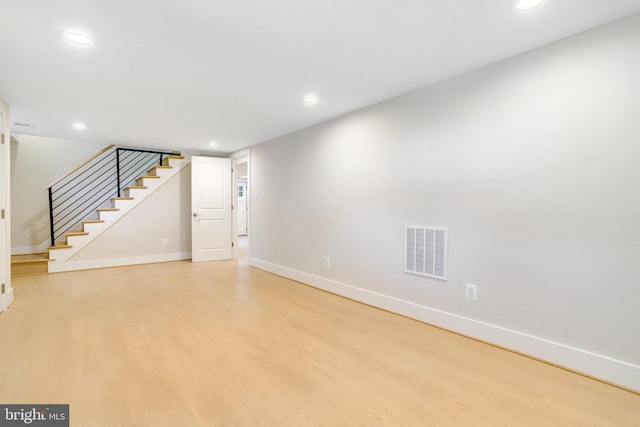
x,y
211,225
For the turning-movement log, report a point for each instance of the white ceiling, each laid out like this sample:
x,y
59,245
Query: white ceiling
x,y
178,74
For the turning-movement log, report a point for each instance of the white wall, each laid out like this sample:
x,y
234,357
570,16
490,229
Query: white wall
x,y
533,164
137,237
36,162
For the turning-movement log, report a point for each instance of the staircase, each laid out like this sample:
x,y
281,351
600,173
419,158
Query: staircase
x,y
62,252
29,264
71,242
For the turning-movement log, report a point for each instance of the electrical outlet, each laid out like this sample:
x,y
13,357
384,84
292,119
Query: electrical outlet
x,y
165,242
472,291
327,261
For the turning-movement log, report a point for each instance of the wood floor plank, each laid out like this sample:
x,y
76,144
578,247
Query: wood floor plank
x,y
223,344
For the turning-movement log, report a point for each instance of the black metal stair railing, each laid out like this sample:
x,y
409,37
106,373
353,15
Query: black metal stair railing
x,y
92,185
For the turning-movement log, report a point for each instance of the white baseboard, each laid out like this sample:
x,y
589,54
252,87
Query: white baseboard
x,y
6,299
117,262
596,365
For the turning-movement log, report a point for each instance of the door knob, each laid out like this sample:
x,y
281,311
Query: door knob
x,y
195,214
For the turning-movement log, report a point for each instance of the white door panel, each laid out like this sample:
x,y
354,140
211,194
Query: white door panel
x,y
211,197
211,209
212,233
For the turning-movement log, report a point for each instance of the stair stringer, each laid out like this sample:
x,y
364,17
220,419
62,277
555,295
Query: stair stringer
x,y
60,258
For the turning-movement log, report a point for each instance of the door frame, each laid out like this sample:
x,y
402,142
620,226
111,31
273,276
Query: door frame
x,y
242,156
6,297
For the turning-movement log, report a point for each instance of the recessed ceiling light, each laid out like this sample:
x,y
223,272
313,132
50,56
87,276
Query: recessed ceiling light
x,y
77,38
213,144
79,126
311,99
524,5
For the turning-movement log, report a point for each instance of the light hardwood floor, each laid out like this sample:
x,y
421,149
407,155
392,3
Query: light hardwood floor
x,y
222,344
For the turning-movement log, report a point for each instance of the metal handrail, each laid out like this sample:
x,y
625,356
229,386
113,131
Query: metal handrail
x,y
73,197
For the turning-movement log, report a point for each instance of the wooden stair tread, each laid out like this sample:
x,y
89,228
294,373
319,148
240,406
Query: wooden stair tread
x,y
122,198
30,261
29,267
77,233
61,246
93,221
140,180
42,256
165,161
107,209
150,171
140,187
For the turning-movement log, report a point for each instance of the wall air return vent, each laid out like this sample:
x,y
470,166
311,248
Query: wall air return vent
x,y
426,251
23,124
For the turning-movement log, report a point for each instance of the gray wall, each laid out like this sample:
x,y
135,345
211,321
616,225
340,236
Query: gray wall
x,y
532,163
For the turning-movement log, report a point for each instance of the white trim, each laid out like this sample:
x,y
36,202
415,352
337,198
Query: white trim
x,y
241,156
5,203
592,364
121,262
7,299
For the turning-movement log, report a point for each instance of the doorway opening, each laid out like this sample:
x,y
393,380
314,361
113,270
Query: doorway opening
x,y
241,203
